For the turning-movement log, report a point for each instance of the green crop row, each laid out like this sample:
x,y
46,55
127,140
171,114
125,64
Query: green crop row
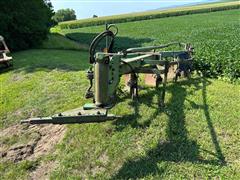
x,y
149,15
215,37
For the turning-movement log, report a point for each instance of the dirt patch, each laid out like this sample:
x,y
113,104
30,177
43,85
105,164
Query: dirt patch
x,y
17,77
50,135
31,142
42,171
104,159
39,140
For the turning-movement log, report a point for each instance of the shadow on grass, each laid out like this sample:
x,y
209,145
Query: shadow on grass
x,y
178,147
33,60
120,44
5,69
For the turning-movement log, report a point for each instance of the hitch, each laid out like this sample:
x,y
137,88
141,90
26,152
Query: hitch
x,y
78,116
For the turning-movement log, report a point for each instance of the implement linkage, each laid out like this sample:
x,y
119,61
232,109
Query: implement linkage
x,y
107,69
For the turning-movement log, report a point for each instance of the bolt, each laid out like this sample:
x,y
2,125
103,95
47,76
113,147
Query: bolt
x,y
79,113
98,112
60,114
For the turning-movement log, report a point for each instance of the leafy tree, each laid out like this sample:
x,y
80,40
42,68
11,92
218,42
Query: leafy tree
x,y
25,24
64,15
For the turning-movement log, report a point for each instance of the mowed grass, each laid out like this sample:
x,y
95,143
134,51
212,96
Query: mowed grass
x,y
196,135
41,83
215,37
38,77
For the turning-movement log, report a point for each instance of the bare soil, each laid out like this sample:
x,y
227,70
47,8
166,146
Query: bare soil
x,y
32,143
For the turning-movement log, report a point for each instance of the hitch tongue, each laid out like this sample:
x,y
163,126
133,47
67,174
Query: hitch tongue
x,y
78,116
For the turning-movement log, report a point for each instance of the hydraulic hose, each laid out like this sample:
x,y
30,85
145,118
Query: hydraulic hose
x,y
97,40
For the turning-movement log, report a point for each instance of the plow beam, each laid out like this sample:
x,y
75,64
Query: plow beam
x,y
77,116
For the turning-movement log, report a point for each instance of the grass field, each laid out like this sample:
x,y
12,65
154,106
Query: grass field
x,y
60,42
195,136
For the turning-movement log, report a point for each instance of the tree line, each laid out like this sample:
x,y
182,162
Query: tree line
x,y
25,24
